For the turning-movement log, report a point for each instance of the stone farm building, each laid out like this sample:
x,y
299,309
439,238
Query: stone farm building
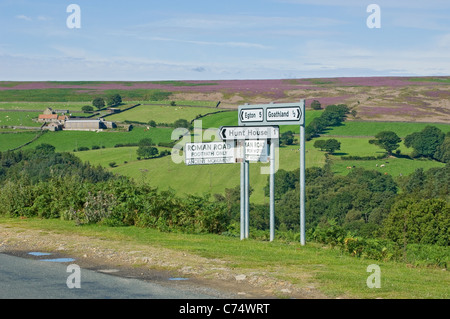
x,y
53,121
87,124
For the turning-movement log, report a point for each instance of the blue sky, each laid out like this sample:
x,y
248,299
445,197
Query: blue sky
x,y
214,40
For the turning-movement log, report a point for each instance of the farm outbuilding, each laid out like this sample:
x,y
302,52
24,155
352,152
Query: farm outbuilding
x,y
87,124
83,125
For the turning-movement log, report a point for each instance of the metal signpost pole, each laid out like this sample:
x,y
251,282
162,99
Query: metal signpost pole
x,y
272,190
247,196
242,195
302,178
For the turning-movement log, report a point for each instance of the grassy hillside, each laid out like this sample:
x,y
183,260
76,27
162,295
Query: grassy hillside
x,y
160,113
197,179
366,128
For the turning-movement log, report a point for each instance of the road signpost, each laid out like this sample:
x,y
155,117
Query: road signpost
x,y
227,133
279,114
272,114
246,136
255,140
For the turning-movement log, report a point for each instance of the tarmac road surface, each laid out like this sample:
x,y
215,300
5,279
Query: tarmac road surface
x,y
46,278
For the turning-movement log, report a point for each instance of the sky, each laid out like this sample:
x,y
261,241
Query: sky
x,y
221,40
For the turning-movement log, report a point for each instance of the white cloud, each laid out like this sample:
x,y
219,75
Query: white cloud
x,y
23,17
214,43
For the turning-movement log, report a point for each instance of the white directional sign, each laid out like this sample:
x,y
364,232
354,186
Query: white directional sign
x,y
251,115
283,114
209,153
272,114
249,132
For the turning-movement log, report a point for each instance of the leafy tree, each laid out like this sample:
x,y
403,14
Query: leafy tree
x,y
147,151
426,142
152,123
315,105
87,108
182,123
99,103
443,151
284,181
320,144
145,142
332,145
387,140
114,99
419,221
287,138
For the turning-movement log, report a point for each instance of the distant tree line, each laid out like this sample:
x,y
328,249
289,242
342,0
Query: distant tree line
x,y
333,115
430,143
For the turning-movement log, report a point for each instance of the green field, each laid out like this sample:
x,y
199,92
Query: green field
x,y
11,118
356,128
11,140
160,113
392,166
164,173
66,141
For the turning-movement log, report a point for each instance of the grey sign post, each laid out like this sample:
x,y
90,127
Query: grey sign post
x,y
244,135
280,114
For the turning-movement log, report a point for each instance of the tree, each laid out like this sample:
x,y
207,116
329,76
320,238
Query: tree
x,y
145,142
287,138
320,144
87,109
315,105
114,99
99,103
181,123
332,145
424,221
387,140
284,181
426,142
147,151
443,151
152,123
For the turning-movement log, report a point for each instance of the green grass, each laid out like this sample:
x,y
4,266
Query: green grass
x,y
9,141
361,147
357,128
393,166
164,173
160,113
335,274
41,106
19,119
66,141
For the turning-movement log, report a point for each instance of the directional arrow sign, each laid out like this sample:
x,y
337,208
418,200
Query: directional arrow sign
x,y
282,114
249,132
272,114
251,115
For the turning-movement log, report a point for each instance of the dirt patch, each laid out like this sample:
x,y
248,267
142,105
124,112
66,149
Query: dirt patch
x,y
148,262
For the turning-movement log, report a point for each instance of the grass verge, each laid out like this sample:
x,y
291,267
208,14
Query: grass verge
x,y
335,274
